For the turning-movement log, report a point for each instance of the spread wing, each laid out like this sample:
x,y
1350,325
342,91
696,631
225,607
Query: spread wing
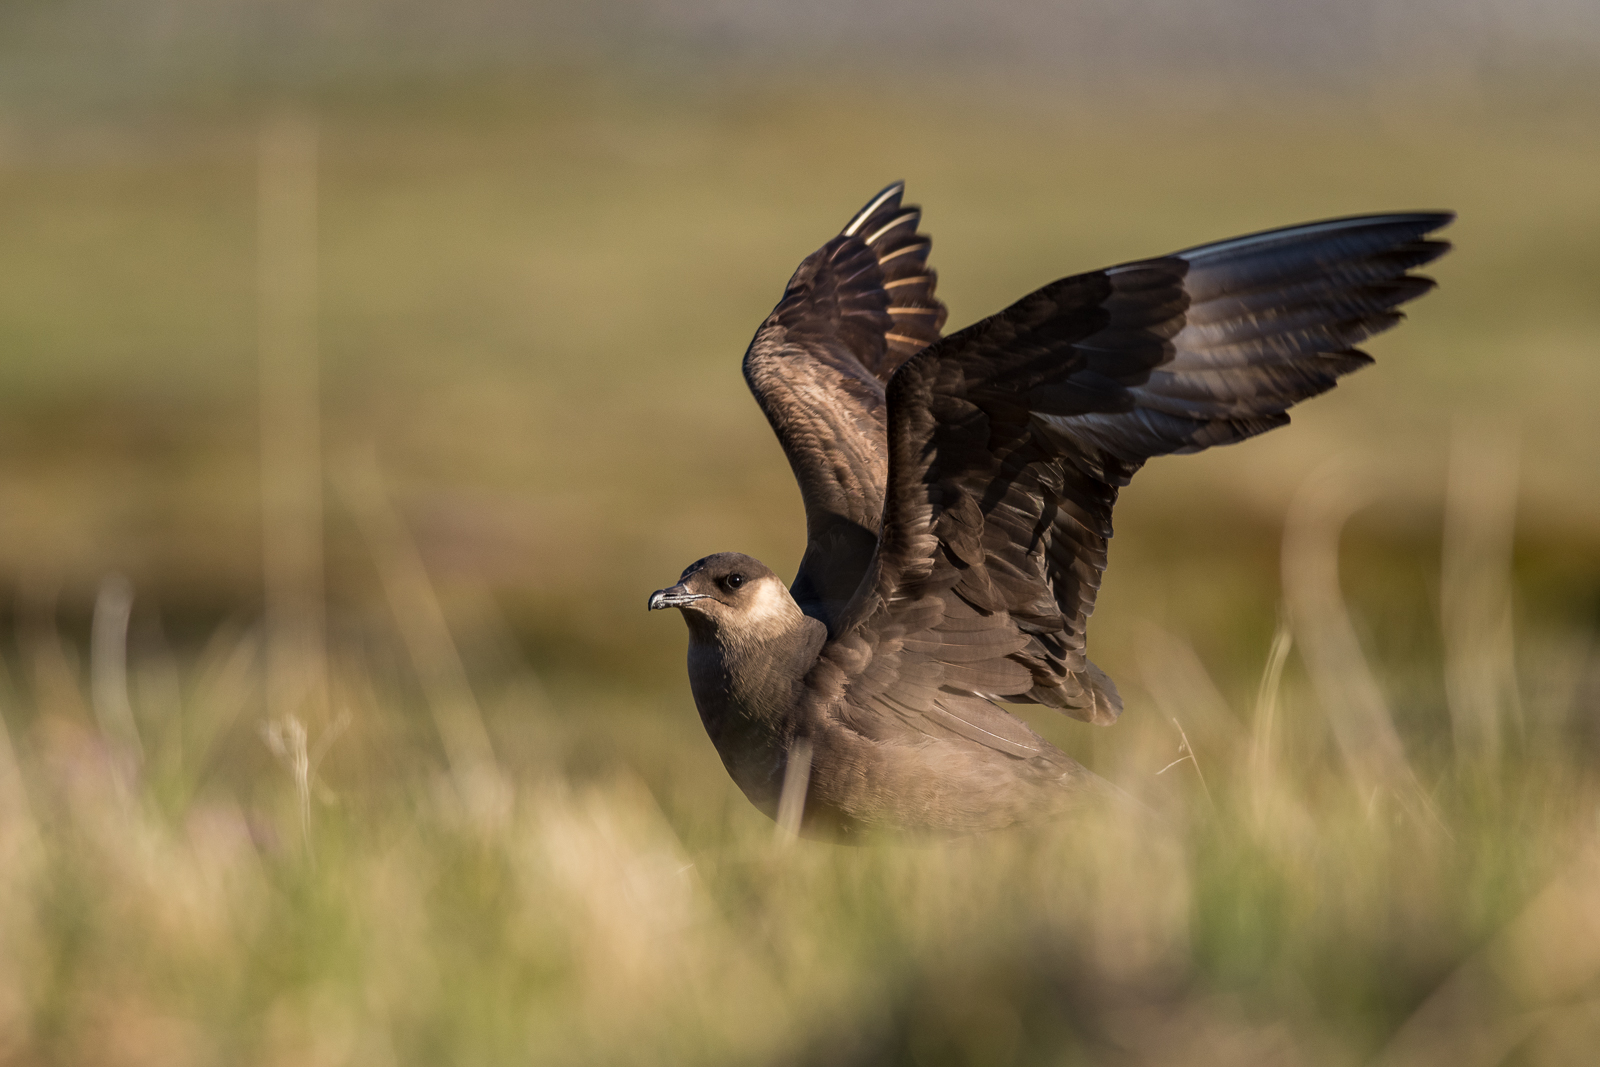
x,y
854,312
1009,440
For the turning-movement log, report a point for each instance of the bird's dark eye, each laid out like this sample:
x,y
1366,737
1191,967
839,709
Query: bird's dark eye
x,y
733,581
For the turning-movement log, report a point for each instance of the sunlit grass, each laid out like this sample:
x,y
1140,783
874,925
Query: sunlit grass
x,y
1295,922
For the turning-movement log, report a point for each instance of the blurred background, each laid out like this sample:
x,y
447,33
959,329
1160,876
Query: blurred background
x,y
366,363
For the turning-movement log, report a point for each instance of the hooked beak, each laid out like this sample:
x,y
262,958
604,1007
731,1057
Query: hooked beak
x,y
676,597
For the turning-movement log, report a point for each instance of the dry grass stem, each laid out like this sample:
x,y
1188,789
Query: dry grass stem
x,y
1264,721
1475,590
286,739
792,799
1350,694
291,418
1188,754
423,628
108,677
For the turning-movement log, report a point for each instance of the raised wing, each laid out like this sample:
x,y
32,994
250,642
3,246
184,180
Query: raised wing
x,y
854,312
1009,440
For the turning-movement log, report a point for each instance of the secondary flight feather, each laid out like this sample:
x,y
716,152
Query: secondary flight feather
x,y
958,494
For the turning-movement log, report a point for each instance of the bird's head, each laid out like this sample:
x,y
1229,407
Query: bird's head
x,y
731,595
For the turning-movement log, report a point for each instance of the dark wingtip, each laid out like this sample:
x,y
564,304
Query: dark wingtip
x,y
1424,221
1391,229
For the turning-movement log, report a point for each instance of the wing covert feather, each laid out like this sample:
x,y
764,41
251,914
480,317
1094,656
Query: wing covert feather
x,y
1009,440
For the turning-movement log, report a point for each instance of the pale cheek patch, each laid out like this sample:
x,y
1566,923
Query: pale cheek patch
x,y
771,608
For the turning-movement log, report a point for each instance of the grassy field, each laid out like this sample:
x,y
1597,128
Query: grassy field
x,y
1368,638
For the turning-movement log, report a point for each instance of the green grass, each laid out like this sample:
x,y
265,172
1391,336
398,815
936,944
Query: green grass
x,y
533,304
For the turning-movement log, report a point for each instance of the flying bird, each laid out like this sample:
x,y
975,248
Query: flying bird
x,y
958,494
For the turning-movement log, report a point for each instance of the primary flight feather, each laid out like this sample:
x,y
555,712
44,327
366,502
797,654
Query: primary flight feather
x,y
958,494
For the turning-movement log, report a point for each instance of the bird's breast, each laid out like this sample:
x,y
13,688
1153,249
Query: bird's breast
x,y
749,699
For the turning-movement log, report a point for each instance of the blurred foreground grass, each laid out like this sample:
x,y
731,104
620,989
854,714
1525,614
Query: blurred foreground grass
x,y
533,305
176,907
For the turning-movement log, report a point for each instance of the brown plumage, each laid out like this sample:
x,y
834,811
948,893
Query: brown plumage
x,y
958,495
